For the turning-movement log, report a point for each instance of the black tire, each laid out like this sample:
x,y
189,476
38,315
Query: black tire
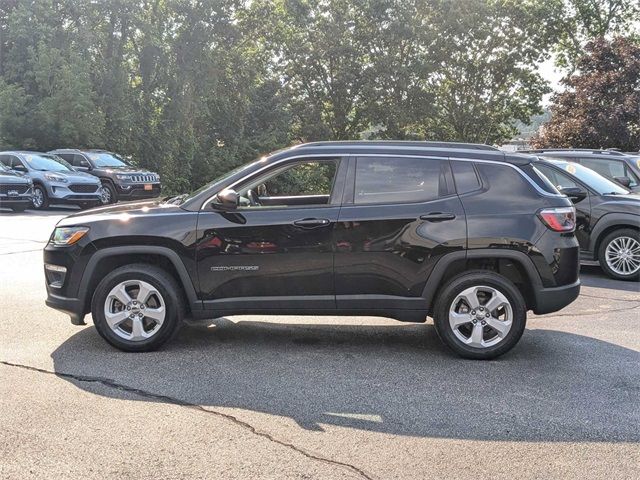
x,y
450,292
602,253
45,197
111,193
165,284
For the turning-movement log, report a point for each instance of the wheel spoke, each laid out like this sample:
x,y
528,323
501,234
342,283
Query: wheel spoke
x,y
157,314
145,291
495,302
457,319
499,326
137,329
115,319
475,340
471,298
122,295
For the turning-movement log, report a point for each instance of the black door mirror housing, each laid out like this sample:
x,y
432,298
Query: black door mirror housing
x,y
624,181
226,200
575,194
83,168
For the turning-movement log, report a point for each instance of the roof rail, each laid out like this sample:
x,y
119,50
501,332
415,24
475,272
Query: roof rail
x,y
399,143
609,151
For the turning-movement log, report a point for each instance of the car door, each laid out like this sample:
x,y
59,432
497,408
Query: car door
x,y
275,250
560,179
399,216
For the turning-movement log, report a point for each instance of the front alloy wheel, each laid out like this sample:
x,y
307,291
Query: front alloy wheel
x,y
39,198
134,310
137,307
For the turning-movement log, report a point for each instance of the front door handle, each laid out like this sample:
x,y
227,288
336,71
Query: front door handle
x,y
311,222
437,217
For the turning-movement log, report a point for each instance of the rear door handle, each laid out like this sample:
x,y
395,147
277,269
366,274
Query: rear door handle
x,y
311,222
437,217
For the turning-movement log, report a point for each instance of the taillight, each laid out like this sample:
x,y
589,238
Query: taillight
x,y
562,219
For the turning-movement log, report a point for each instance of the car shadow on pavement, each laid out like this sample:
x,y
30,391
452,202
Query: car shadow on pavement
x,y
554,386
592,276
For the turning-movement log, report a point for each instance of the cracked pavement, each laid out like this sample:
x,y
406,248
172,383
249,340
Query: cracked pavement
x,y
312,397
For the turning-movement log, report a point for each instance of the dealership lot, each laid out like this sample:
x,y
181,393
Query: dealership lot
x,y
312,397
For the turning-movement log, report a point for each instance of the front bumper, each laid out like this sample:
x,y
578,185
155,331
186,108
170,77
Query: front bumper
x,y
62,194
23,200
556,298
71,306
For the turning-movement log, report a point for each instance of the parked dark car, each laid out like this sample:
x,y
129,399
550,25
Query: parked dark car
x,y
623,168
54,180
463,233
608,217
120,180
15,190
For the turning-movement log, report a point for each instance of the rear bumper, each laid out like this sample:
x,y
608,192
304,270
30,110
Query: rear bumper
x,y
550,300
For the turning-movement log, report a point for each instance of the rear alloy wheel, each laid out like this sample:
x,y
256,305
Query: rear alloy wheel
x,y
619,254
137,308
40,199
480,315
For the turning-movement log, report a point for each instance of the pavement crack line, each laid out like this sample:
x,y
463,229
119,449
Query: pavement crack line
x,y
575,314
21,251
610,298
194,406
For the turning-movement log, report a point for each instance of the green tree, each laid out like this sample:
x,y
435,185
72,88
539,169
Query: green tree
x,y
600,107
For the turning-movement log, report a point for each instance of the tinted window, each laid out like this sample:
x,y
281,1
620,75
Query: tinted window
x,y
610,168
5,161
80,161
398,180
465,177
104,159
558,179
67,157
47,163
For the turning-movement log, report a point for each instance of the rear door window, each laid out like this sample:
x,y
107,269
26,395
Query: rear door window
x,y
559,180
399,180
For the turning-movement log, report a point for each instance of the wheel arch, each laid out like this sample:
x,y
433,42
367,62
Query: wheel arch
x,y
608,224
514,265
108,259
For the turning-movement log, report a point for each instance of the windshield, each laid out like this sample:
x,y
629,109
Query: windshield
x,y
188,196
49,163
2,167
104,159
593,179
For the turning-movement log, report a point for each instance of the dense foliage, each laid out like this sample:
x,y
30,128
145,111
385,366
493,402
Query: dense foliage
x,y
192,88
601,105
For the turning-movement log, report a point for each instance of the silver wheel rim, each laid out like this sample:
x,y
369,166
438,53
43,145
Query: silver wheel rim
x,y
105,195
480,317
623,255
38,198
134,310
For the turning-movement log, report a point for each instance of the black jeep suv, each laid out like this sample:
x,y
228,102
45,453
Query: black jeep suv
x,y
608,217
120,181
463,233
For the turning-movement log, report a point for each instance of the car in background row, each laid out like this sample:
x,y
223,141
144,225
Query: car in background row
x,y
608,217
54,180
15,190
623,168
120,180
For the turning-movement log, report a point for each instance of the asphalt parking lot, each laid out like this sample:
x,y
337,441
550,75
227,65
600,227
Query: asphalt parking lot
x,y
312,397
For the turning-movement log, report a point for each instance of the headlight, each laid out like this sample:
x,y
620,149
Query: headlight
x,y
123,177
55,178
65,236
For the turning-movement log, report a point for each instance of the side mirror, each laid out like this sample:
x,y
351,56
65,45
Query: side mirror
x,y
575,194
624,181
20,168
83,168
226,200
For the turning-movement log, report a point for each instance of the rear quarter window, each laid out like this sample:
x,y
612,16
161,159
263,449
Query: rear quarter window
x,y
465,177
